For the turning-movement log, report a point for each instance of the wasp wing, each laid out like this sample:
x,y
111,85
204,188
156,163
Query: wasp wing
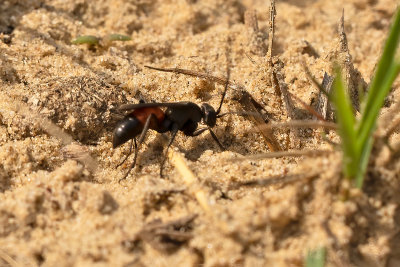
x,y
128,107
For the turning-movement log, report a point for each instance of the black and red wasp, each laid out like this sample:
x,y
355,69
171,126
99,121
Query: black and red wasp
x,y
178,116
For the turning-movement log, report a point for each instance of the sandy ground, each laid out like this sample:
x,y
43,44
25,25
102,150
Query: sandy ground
x,y
56,210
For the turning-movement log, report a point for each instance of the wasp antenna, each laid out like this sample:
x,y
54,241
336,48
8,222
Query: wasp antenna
x,y
160,69
239,113
224,93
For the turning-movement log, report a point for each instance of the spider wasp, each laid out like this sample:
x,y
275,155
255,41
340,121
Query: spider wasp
x,y
182,116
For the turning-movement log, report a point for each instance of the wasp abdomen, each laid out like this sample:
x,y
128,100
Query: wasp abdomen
x,y
125,130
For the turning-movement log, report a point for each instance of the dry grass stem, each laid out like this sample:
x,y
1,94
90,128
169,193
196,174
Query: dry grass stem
x,y
280,154
301,124
308,108
273,180
8,259
189,178
255,36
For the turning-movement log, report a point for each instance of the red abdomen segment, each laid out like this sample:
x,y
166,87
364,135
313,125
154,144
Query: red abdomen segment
x,y
141,114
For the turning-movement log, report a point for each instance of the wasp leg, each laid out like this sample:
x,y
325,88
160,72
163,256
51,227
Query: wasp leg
x,y
200,131
216,139
141,139
129,153
174,131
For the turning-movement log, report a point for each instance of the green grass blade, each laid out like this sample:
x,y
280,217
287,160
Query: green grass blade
x,y
364,159
118,37
316,258
346,121
387,71
368,119
385,61
87,39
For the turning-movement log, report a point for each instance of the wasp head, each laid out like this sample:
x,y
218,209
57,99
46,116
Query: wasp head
x,y
209,115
